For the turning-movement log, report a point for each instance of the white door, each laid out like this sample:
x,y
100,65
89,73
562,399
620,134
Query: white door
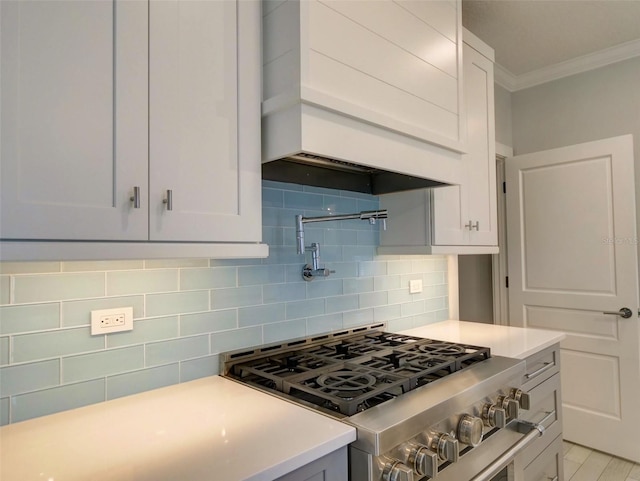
x,y
572,243
204,120
74,120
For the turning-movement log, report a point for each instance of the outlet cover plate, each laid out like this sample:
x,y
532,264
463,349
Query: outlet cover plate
x,y
106,321
415,286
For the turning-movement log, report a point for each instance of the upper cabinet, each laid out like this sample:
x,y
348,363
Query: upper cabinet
x,y
130,121
377,84
460,219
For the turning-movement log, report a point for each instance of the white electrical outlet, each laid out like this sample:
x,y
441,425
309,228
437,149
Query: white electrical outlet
x,y
105,321
415,286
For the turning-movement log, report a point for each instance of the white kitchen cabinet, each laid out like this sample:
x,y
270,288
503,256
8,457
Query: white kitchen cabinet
x,y
102,99
459,219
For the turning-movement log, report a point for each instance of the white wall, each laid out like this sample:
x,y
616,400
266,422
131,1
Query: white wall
x,y
589,106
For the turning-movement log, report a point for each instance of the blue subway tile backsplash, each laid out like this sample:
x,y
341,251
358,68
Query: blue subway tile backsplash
x,y
186,311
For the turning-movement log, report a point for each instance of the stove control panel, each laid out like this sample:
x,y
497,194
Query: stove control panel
x,y
446,441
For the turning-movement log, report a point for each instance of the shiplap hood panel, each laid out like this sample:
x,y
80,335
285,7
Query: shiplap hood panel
x,y
362,96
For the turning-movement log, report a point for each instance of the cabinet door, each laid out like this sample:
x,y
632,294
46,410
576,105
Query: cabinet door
x,y
467,214
481,179
205,120
74,119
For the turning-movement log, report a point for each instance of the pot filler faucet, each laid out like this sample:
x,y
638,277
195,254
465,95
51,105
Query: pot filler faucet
x,y
310,271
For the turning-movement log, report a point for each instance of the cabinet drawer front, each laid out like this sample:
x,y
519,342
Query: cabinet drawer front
x,y
546,408
548,465
541,366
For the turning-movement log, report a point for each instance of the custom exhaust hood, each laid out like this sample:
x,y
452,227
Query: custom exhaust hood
x,y
308,169
350,104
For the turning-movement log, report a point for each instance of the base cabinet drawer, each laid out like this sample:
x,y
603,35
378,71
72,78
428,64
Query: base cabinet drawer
x,y
548,465
541,366
332,467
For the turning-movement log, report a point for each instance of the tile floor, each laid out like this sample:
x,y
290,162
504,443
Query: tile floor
x,y
584,464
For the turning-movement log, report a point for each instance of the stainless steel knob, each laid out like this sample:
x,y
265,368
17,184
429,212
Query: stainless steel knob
x,y
445,446
523,398
470,430
423,460
494,416
510,405
396,471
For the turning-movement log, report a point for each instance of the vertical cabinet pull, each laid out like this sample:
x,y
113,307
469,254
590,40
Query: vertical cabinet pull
x,y
168,200
135,198
472,226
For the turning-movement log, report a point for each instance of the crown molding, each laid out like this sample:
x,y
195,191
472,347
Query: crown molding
x,y
513,83
504,78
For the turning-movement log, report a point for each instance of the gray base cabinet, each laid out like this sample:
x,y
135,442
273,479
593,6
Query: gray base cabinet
x,y
332,467
548,465
543,460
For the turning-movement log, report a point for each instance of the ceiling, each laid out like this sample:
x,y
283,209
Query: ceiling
x,y
534,37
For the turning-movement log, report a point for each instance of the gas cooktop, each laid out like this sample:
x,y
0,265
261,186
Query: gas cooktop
x,y
347,372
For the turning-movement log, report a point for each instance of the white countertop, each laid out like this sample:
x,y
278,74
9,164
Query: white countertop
x,y
208,429
515,342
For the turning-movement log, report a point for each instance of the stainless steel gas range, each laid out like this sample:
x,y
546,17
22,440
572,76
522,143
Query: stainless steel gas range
x,y
422,408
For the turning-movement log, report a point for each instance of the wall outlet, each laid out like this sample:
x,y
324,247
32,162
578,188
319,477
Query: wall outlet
x,y
105,321
415,286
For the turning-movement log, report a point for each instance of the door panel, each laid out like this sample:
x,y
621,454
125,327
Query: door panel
x,y
74,119
585,192
571,228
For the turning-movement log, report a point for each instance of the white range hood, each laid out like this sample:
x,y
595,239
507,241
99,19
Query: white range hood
x,y
362,96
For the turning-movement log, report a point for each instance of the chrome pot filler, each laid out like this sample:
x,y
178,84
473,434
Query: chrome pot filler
x,y
422,408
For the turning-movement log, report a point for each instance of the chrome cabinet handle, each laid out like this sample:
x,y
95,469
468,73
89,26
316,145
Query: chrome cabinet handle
x,y
547,366
168,200
135,198
624,313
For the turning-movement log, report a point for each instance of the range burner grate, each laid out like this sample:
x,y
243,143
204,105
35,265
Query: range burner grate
x,y
349,375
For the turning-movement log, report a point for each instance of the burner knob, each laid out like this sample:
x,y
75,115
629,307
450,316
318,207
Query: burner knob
x,y
470,430
445,445
396,471
494,416
522,397
423,460
510,405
